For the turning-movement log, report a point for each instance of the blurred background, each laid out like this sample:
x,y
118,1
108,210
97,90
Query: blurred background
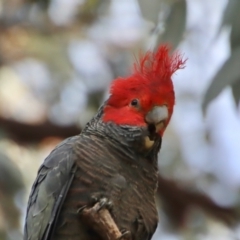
x,y
57,59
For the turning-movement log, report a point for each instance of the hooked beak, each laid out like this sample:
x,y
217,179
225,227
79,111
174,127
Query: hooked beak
x,y
156,120
157,117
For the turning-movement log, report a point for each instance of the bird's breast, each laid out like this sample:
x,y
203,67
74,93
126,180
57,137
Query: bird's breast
x,y
105,172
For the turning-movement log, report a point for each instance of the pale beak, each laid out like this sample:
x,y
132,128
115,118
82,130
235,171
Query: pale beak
x,y
156,120
157,116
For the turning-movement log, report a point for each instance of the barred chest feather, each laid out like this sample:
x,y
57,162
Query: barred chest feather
x,y
106,169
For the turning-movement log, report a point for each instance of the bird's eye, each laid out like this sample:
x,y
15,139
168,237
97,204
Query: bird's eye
x,y
135,103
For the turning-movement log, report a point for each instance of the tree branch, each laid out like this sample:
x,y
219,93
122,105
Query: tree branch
x,y
24,132
102,222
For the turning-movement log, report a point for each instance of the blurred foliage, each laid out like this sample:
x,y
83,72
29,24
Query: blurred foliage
x,y
169,17
229,74
175,24
150,11
42,3
11,185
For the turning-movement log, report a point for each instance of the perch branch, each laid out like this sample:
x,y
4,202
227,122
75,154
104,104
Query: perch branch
x,y
103,223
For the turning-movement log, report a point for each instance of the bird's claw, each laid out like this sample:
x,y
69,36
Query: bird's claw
x,y
97,204
79,211
125,235
103,202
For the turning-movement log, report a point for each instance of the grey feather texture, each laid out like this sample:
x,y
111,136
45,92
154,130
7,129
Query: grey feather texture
x,y
105,160
52,176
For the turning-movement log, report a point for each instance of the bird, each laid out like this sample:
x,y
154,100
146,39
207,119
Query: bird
x,y
113,161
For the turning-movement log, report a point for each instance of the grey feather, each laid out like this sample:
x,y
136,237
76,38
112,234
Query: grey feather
x,y
47,191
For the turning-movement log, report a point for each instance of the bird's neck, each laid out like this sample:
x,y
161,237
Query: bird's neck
x,y
128,138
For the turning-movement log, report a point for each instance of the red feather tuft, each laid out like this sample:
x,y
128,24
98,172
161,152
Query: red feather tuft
x,y
150,83
160,64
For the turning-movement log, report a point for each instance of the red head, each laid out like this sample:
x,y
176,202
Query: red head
x,y
147,96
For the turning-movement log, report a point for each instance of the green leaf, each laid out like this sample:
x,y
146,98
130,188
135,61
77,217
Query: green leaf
x,y
231,17
230,12
227,75
236,91
175,25
235,33
150,9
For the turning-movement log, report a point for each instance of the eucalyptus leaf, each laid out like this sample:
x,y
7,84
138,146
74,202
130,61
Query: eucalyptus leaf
x,y
236,91
230,12
231,18
175,25
150,9
227,75
235,33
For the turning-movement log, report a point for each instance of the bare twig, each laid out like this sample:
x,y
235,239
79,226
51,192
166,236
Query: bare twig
x,y
102,222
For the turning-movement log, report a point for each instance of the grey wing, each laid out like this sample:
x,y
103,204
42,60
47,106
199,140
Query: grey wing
x,y
49,190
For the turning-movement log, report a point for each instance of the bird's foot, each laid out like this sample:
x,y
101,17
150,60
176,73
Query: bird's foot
x,y
103,202
79,211
97,214
97,203
125,235
99,218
